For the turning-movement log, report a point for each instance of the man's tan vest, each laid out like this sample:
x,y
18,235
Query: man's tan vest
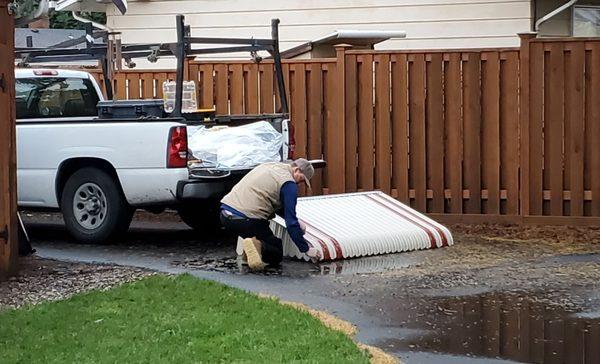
x,y
257,195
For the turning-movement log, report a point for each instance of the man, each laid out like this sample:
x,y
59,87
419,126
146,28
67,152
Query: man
x,y
246,210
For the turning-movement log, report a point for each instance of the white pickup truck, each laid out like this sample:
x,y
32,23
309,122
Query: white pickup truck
x,y
98,171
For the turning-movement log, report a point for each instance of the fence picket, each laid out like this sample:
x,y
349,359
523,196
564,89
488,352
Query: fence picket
x,y
147,85
315,122
553,127
133,86
472,131
593,127
509,126
266,88
251,91
435,132
237,89
351,123
490,142
535,129
365,123
400,126
574,126
222,91
454,132
383,143
417,132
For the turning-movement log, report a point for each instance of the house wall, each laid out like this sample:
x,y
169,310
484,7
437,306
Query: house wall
x,y
429,24
560,24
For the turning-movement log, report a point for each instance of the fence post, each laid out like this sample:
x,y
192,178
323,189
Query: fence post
x,y
336,136
8,160
524,116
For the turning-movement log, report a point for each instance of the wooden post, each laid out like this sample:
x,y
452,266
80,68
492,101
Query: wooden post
x,y
8,192
524,120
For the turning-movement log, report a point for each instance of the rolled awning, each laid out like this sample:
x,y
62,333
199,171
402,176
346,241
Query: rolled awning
x,y
90,5
121,5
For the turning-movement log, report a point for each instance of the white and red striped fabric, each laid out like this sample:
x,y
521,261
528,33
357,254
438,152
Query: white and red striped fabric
x,y
361,224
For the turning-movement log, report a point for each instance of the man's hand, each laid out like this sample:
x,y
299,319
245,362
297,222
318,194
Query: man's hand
x,y
314,254
302,226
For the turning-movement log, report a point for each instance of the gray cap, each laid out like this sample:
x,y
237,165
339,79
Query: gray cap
x,y
306,168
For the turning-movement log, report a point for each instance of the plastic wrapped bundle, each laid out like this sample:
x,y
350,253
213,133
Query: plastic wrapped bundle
x,y
236,147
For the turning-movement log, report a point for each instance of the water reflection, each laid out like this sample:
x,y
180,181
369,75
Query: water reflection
x,y
297,268
509,326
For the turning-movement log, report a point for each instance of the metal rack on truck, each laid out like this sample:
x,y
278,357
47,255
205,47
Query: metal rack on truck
x,y
113,52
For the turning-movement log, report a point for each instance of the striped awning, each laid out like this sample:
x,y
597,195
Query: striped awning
x,y
361,224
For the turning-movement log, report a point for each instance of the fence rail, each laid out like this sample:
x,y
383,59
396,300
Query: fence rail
x,y
503,133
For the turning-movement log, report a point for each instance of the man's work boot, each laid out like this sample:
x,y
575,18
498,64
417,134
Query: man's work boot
x,y
252,250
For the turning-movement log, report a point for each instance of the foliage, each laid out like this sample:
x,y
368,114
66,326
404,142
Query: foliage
x,y
26,7
64,19
58,19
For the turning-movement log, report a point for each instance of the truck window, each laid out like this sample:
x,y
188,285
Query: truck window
x,y
55,97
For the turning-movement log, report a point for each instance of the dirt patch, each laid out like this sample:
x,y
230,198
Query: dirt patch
x,y
563,271
327,319
41,280
509,256
517,233
379,356
168,215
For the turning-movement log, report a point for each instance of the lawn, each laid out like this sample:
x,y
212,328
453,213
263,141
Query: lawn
x,y
165,319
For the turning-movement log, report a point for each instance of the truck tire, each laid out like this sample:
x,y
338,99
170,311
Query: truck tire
x,y
93,206
203,217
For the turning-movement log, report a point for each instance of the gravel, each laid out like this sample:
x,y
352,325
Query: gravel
x,y
50,280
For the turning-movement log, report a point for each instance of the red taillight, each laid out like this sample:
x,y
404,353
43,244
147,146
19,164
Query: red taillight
x,y
45,72
292,145
178,147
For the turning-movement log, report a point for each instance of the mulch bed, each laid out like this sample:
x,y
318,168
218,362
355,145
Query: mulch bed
x,y
550,234
41,280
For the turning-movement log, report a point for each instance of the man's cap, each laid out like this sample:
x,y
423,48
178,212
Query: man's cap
x,y
306,168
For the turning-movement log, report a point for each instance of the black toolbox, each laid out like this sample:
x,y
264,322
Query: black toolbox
x,y
131,109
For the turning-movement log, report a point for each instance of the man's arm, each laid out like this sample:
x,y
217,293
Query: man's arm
x,y
289,198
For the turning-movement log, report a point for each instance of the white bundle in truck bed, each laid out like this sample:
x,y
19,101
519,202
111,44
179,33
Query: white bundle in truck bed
x,y
239,147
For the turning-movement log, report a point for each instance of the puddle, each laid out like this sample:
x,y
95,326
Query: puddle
x,y
299,269
234,265
578,258
518,327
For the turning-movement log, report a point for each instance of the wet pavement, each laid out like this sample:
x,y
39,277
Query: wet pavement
x,y
482,300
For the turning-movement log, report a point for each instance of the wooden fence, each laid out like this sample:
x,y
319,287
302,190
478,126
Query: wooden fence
x,y
504,135
8,191
560,123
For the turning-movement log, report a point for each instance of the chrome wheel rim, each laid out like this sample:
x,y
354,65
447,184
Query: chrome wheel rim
x,y
89,206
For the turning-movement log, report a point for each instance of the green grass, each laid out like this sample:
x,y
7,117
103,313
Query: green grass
x,y
165,319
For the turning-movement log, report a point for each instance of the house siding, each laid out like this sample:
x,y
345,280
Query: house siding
x,y
429,24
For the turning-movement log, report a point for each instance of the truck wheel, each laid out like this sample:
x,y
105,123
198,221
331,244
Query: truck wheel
x,y
94,207
203,217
